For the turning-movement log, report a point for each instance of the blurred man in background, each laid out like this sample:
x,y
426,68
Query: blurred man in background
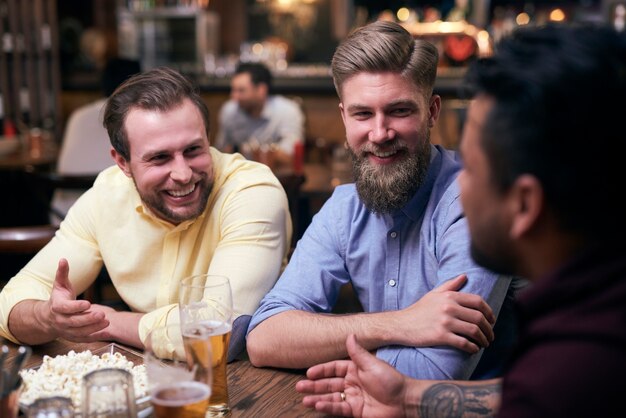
x,y
254,121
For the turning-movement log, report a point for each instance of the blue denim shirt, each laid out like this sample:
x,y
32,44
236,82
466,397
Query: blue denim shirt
x,y
391,261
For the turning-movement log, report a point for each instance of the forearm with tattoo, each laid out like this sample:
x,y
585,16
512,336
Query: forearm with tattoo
x,y
450,400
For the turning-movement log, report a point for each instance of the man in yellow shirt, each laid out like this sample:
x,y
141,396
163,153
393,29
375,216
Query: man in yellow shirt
x,y
171,207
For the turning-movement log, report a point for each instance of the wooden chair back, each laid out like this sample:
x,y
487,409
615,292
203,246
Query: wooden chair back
x,y
25,239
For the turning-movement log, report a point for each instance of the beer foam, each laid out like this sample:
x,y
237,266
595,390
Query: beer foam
x,y
62,375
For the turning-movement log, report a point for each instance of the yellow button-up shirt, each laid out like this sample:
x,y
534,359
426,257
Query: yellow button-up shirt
x,y
243,234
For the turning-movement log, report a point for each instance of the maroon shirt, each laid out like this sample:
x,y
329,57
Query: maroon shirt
x,y
571,356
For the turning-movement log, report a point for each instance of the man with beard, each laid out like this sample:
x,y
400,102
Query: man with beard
x,y
172,207
534,207
398,235
254,118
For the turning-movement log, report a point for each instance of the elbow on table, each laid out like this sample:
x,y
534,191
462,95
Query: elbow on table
x,y
256,349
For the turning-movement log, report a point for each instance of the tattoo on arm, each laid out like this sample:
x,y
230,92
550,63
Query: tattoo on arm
x,y
448,400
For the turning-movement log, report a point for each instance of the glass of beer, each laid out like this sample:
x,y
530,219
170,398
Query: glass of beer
x,y
179,374
108,393
206,306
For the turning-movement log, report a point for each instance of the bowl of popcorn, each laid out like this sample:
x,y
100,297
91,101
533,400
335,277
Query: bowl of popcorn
x,y
62,375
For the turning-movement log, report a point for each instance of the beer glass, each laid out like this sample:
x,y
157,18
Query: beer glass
x,y
179,379
52,407
108,393
206,303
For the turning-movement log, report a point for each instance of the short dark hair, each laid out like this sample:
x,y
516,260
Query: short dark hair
x,y
157,89
259,73
558,115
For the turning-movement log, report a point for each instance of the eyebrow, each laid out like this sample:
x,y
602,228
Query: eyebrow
x,y
153,153
396,103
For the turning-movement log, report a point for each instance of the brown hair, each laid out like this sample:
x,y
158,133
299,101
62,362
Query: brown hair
x,y
157,89
385,46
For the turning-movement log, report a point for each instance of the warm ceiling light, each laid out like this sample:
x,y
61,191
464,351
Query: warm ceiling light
x,y
257,48
557,15
403,14
522,19
483,36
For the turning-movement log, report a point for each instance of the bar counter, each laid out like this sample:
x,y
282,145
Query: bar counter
x,y
315,93
297,80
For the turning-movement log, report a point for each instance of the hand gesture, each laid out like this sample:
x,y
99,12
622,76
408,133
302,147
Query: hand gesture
x,y
67,317
445,316
363,387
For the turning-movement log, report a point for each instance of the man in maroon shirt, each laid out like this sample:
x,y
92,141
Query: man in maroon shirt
x,y
543,148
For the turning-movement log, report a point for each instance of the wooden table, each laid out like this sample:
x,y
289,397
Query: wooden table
x,y
253,392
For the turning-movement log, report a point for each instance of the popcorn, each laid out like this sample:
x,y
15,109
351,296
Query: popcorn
x,y
62,375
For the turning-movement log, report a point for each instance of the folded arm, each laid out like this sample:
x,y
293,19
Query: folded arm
x,y
298,339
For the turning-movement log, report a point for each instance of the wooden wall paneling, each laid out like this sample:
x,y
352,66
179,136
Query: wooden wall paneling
x,y
16,49
55,73
31,78
4,66
29,63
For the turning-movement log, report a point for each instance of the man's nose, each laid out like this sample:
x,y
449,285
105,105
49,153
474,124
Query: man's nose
x,y
181,171
381,131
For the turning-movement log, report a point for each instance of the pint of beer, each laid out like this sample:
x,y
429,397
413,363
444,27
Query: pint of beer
x,y
218,339
205,304
181,400
180,380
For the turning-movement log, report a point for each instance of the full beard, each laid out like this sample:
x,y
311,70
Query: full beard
x,y
158,206
383,189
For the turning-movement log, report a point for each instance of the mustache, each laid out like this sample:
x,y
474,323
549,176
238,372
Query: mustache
x,y
393,146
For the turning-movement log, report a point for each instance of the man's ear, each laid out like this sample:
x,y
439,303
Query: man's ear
x,y
343,117
121,162
263,90
528,203
434,109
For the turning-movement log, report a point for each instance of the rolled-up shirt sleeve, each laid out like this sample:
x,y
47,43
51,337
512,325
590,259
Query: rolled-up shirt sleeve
x,y
314,275
75,242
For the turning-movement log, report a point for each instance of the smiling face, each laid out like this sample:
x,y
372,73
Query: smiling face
x,y
170,162
388,121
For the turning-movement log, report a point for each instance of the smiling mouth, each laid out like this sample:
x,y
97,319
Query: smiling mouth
x,y
182,193
384,154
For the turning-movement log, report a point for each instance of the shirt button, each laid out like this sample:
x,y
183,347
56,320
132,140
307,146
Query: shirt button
x,y
392,282
394,234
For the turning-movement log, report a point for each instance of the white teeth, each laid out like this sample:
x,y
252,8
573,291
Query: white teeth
x,y
180,193
384,154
